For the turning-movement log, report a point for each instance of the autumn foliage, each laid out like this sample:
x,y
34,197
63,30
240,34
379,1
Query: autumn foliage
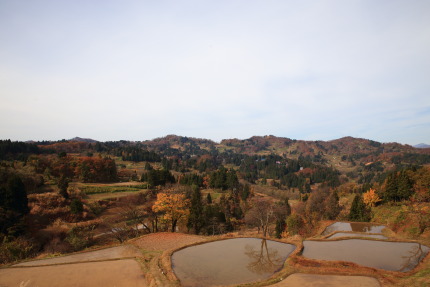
x,y
87,169
422,184
173,205
370,198
97,169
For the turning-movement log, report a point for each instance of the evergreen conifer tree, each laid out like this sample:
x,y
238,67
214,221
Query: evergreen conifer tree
x,y
359,210
209,199
63,184
14,196
196,218
404,186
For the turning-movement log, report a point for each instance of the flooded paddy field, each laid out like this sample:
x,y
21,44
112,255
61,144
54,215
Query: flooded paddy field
x,y
231,261
318,280
354,227
392,256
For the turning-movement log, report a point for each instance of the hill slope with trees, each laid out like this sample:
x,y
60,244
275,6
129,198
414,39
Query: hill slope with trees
x,y
62,196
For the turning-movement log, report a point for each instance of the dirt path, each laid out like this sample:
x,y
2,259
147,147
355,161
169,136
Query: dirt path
x,y
313,280
119,273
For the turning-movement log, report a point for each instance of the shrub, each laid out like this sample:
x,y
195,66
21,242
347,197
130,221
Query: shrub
x,y
294,223
77,240
96,208
76,206
18,249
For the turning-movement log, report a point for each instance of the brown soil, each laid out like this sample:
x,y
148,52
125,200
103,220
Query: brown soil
x,y
313,280
166,240
118,273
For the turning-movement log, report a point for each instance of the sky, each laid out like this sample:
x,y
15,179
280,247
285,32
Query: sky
x,y
138,70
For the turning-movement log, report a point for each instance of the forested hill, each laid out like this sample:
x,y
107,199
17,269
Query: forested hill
x,y
344,146
361,160
347,149
340,152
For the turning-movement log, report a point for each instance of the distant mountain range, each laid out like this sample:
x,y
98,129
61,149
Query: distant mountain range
x,y
422,145
361,150
268,140
353,157
78,139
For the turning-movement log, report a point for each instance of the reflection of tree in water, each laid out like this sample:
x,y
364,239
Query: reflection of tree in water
x,y
264,260
415,254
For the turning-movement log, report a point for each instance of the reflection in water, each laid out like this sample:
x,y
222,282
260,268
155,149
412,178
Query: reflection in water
x,y
393,256
232,261
264,259
413,257
366,227
353,226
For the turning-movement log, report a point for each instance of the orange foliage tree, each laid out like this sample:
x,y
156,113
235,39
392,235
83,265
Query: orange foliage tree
x,y
97,169
174,205
370,198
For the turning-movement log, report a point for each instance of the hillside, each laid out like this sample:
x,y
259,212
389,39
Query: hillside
x,y
344,146
348,155
264,145
78,139
357,159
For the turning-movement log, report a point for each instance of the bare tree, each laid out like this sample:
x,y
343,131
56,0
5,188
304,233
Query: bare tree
x,y
137,217
261,214
118,230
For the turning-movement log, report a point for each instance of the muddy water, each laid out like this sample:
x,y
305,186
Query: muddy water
x,y
349,234
231,261
392,256
353,226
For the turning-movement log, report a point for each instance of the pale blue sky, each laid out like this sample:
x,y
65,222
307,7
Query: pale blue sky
x,y
136,70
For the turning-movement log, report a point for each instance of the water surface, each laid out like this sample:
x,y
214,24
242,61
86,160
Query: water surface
x,y
392,256
231,261
349,234
353,226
